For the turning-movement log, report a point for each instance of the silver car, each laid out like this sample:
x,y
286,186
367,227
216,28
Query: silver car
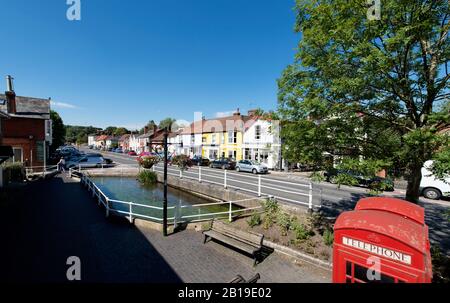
x,y
252,167
86,162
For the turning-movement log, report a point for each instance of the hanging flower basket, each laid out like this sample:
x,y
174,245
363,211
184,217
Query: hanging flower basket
x,y
148,161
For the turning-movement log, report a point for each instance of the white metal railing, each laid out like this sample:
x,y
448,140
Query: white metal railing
x,y
259,185
178,217
36,170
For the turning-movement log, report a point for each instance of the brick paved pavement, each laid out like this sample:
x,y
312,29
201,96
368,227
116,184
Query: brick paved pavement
x,y
51,220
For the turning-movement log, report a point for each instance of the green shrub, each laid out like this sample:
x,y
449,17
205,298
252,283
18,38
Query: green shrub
x,y
14,172
147,177
328,237
271,209
317,177
271,206
378,187
268,221
254,220
344,179
284,222
302,232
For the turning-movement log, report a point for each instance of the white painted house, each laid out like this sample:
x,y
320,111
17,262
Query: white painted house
x,y
134,143
175,141
91,140
262,143
192,143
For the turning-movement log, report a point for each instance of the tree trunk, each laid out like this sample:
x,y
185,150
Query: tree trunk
x,y
414,178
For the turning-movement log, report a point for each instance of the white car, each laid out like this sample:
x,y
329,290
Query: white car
x,y
86,162
430,186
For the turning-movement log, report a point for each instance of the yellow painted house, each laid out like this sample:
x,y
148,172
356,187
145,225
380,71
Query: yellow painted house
x,y
223,137
226,144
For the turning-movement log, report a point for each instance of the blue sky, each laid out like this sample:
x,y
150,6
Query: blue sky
x,y
127,62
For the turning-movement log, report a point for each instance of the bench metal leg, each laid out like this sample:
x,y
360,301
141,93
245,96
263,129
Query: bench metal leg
x,y
255,261
205,240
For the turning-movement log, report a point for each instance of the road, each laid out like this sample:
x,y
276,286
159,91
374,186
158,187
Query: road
x,y
333,200
289,191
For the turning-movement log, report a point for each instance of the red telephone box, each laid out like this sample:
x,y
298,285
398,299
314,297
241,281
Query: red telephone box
x,y
382,240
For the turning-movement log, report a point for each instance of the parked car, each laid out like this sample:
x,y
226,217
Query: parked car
x,y
223,163
108,161
86,162
370,182
132,153
430,186
94,155
200,161
118,150
252,167
144,154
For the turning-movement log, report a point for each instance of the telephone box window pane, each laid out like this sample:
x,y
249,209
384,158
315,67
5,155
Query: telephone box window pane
x,y
387,279
348,280
348,267
361,273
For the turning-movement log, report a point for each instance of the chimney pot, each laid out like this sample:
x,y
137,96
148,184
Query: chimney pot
x,y
9,84
10,95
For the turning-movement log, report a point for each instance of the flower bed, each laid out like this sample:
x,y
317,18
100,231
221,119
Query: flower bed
x,y
307,233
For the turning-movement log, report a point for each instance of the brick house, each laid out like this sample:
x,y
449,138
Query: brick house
x,y
28,128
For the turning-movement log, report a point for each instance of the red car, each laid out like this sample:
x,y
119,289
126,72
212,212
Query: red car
x,y
132,153
143,154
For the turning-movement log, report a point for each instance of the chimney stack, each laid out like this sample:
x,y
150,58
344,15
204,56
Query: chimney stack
x,y
252,112
10,95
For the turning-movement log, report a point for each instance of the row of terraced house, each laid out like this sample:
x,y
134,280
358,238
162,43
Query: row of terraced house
x,y
238,136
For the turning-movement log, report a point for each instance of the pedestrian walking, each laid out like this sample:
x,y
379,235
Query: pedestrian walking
x,y
61,165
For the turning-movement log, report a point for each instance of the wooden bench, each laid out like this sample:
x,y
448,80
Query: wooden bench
x,y
248,242
240,279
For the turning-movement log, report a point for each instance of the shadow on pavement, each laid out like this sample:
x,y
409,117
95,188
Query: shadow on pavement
x,y
48,221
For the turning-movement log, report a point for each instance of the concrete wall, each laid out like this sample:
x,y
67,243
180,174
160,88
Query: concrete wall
x,y
211,191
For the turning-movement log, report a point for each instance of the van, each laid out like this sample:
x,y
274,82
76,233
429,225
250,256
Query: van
x,y
430,186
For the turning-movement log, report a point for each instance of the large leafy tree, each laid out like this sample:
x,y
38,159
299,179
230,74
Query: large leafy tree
x,y
375,90
79,134
151,125
169,123
58,130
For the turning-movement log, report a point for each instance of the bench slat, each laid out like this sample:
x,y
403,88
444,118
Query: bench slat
x,y
238,234
235,243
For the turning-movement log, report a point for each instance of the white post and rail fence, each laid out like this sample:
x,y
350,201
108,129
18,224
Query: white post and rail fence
x,y
180,213
293,192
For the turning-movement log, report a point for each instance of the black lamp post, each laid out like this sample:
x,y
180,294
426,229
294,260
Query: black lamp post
x,y
166,135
